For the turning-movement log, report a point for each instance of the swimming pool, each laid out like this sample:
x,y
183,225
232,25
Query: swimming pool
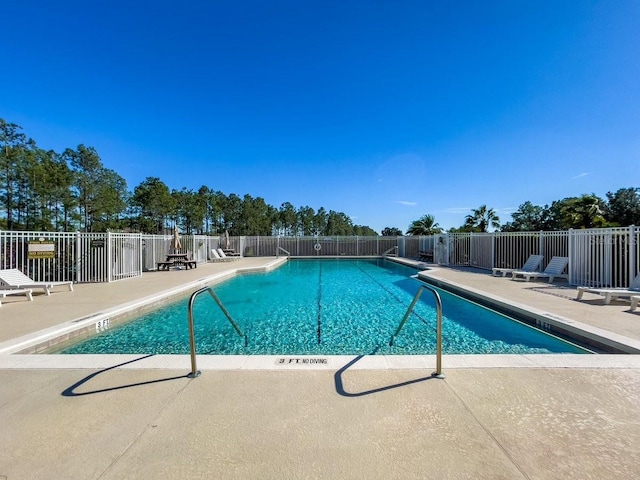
x,y
329,307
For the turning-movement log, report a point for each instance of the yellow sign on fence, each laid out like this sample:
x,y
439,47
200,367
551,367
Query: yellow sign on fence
x,y
42,249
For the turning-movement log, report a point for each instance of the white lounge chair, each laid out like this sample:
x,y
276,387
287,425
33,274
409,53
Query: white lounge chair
x,y
531,265
553,270
215,256
634,302
14,278
16,291
611,293
224,256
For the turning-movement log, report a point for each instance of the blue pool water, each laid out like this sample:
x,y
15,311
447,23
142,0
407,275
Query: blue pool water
x,y
331,307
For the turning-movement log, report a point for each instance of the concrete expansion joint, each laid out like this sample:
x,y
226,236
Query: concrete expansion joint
x,y
488,432
149,427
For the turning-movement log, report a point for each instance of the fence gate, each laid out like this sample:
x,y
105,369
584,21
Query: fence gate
x,y
441,250
106,257
91,260
126,255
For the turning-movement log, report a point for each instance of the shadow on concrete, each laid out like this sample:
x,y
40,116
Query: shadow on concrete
x,y
340,385
70,392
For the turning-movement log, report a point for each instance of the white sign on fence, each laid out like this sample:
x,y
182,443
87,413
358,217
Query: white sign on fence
x,y
42,249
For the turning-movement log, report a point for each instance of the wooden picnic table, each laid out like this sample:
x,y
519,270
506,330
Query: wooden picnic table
x,y
426,256
177,259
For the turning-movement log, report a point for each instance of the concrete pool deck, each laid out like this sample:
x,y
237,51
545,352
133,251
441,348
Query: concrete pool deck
x,y
111,417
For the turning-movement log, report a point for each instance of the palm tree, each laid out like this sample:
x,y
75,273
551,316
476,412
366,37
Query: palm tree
x,y
482,218
424,226
584,212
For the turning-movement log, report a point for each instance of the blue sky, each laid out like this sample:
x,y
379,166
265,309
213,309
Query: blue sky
x,y
383,110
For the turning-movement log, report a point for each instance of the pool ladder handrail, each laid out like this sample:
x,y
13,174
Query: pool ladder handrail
x,y
438,373
192,337
285,251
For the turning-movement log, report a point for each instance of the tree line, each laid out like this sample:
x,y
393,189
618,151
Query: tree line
x,y
44,190
620,209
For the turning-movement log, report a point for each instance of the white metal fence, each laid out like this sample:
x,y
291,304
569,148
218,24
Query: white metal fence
x,y
597,257
314,246
604,257
80,257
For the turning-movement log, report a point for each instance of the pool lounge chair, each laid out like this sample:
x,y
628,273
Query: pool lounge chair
x,y
553,270
14,278
531,265
611,293
216,257
16,291
224,256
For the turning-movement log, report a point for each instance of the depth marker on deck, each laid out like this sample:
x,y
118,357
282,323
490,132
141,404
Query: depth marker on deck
x,y
301,361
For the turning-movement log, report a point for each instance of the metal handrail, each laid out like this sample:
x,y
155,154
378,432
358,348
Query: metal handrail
x,y
192,337
438,373
285,251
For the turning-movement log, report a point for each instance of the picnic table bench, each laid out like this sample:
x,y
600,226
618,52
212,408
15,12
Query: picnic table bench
x,y
426,256
177,259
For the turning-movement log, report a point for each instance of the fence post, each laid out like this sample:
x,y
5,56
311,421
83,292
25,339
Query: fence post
x,y
78,265
493,249
541,243
570,251
141,243
109,258
631,253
